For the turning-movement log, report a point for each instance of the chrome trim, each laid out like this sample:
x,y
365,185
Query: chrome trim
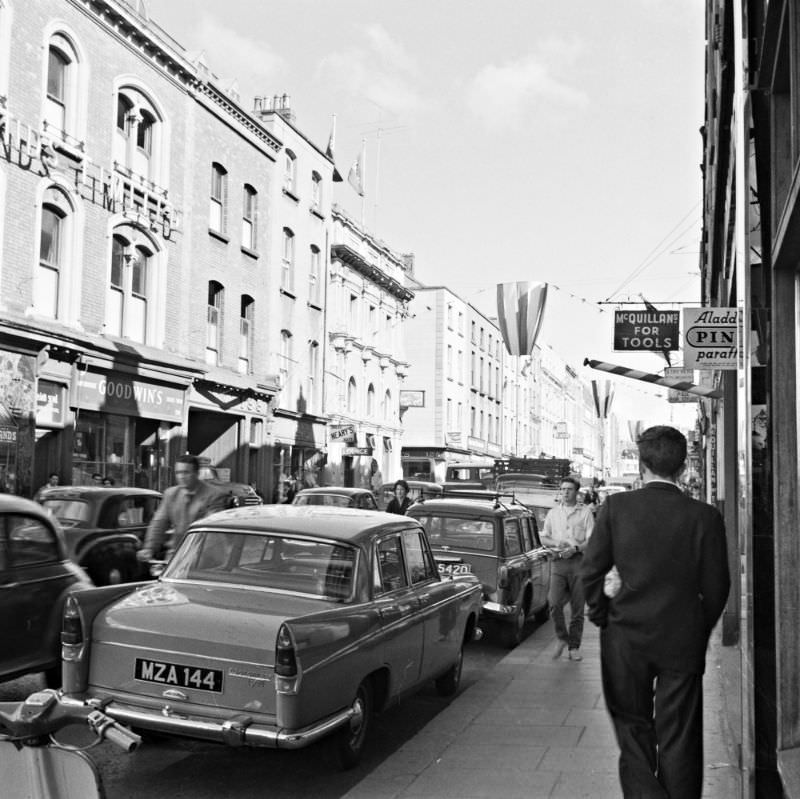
x,y
496,607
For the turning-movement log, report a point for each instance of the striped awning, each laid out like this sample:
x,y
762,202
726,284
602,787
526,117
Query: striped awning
x,y
520,310
648,377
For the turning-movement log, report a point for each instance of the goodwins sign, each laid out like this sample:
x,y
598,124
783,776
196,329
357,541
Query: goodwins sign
x,y
115,392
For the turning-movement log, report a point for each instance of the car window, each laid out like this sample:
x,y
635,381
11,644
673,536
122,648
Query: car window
x,y
276,562
527,535
390,569
458,533
30,542
421,566
368,502
68,511
511,537
135,511
336,500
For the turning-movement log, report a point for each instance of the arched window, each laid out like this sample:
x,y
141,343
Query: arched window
x,y
287,262
387,406
216,303
53,281
249,209
130,286
246,312
316,192
370,400
313,372
289,171
138,135
62,100
286,360
314,277
352,396
219,198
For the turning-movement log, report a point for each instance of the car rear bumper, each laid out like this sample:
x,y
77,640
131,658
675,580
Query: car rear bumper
x,y
239,730
497,610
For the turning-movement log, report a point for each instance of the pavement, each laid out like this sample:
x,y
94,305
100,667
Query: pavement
x,y
537,727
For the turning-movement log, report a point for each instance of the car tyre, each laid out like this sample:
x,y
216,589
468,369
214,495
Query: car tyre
x,y
350,740
448,683
511,631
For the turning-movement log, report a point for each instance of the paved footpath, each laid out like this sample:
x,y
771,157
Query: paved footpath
x,y
535,727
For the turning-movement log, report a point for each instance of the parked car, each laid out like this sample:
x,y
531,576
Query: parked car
x,y
337,496
240,494
417,490
478,474
103,527
497,540
539,497
36,575
274,626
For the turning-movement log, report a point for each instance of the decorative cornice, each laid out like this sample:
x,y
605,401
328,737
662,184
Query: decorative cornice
x,y
349,256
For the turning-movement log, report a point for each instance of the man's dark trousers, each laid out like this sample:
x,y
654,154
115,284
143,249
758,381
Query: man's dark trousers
x,y
674,770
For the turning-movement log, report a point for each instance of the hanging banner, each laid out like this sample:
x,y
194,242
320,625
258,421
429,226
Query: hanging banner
x,y
520,311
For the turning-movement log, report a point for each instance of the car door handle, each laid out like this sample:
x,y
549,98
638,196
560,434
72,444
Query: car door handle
x,y
390,613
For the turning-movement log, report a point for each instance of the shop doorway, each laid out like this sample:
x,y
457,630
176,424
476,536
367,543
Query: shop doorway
x,y
216,436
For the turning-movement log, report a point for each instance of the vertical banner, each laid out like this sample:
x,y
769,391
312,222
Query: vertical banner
x,y
520,311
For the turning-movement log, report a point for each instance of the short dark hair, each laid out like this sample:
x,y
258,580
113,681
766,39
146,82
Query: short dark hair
x,y
662,449
402,483
192,460
96,475
572,480
52,474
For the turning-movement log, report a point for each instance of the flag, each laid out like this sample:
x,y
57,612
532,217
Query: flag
x,y
520,311
356,175
652,308
602,404
329,150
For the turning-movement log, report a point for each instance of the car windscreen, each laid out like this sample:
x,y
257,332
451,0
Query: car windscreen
x,y
323,569
335,500
68,511
459,533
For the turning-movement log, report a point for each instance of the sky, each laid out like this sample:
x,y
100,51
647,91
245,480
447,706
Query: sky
x,y
505,140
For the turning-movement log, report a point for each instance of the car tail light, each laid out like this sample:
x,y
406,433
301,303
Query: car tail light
x,y
71,630
286,671
502,577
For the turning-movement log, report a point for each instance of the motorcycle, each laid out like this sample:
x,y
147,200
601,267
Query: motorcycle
x,y
34,765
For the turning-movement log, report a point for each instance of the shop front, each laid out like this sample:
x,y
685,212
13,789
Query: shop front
x,y
299,459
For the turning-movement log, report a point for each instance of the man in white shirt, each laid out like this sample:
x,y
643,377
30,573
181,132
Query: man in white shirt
x,y
566,530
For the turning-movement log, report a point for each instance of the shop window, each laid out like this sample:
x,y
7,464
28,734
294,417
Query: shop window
x,y
218,199
216,296
246,311
249,208
130,288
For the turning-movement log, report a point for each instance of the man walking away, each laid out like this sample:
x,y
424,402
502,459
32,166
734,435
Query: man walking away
x,y
567,528
672,560
189,500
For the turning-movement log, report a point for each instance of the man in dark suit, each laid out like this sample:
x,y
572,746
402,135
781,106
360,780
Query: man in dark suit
x,y
191,499
672,560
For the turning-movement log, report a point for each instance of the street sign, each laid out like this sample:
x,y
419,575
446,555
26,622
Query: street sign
x,y
343,433
684,374
646,331
711,338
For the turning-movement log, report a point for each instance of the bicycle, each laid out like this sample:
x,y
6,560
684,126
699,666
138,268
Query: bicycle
x,y
34,765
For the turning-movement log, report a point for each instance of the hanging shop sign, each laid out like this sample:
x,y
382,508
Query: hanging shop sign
x,y
342,433
646,331
49,404
711,338
115,392
355,451
680,373
412,399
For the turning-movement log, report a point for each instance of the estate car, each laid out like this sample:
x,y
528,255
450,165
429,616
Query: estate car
x,y
337,496
497,540
274,626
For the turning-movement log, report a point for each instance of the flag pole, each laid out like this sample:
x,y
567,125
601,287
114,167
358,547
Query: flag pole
x,y
364,186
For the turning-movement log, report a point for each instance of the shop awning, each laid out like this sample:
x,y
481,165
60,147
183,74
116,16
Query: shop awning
x,y
648,377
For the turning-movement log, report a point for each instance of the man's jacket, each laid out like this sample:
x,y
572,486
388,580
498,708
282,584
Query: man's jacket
x,y
671,554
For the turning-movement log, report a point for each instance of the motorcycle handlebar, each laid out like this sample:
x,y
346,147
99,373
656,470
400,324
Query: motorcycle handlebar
x,y
46,712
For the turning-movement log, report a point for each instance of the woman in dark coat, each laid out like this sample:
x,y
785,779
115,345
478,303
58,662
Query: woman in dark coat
x,y
400,502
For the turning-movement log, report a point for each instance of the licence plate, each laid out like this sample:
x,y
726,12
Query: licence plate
x,y
174,674
454,568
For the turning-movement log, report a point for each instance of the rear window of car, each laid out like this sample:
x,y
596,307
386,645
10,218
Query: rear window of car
x,y
30,541
459,533
336,500
69,511
281,563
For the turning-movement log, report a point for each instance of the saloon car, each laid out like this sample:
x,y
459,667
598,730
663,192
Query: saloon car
x,y
103,527
496,539
337,496
36,575
239,494
274,626
417,490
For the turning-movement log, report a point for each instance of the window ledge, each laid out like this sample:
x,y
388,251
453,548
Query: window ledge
x,y
315,304
316,212
249,252
291,195
288,293
218,235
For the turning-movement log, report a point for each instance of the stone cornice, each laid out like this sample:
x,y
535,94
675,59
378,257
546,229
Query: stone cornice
x,y
349,256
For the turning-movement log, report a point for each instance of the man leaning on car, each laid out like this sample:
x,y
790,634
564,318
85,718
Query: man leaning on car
x,y
189,500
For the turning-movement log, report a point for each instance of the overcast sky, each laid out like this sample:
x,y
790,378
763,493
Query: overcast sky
x,y
548,140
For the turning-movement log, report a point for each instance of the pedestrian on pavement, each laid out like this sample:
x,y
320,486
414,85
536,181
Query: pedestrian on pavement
x,y
191,499
671,555
567,528
400,502
52,482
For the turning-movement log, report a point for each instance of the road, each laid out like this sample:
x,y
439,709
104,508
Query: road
x,y
176,769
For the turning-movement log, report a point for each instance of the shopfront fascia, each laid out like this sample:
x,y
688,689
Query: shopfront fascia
x,y
299,455
228,422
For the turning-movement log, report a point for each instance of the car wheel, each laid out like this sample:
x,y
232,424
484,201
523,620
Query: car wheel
x,y
112,571
351,738
511,632
448,683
